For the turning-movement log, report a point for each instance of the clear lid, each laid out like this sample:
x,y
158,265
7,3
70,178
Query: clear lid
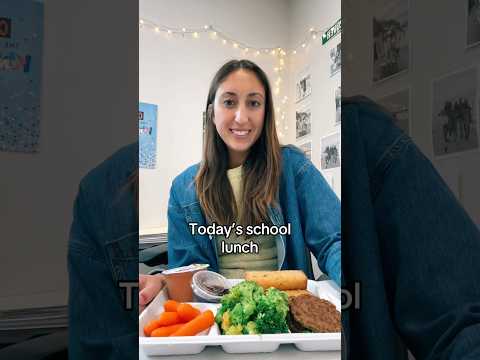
x,y
209,284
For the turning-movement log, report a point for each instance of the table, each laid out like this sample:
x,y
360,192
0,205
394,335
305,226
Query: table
x,y
286,351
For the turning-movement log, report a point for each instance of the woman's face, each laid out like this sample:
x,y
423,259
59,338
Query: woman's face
x,y
239,112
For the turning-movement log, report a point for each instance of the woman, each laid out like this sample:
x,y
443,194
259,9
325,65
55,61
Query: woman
x,y
247,178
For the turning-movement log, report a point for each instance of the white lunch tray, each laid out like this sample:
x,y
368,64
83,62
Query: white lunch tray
x,y
236,344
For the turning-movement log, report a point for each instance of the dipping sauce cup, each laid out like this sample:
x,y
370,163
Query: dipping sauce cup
x,y
179,281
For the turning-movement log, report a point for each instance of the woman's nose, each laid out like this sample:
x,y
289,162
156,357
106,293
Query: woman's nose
x,y
241,115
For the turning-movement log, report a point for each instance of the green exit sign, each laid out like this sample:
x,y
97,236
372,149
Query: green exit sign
x,y
330,33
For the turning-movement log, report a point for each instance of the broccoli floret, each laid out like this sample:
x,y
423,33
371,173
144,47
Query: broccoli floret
x,y
248,309
278,300
272,312
234,330
271,322
236,315
250,329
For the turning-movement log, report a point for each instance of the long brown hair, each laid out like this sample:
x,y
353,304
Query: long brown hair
x,y
261,170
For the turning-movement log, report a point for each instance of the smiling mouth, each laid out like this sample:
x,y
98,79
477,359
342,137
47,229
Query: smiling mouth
x,y
240,132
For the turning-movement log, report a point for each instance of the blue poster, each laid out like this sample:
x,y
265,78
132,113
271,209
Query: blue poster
x,y
21,37
147,135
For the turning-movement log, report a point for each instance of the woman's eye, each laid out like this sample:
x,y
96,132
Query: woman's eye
x,y
228,102
255,103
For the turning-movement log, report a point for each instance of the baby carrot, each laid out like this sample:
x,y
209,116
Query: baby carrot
x,y
187,312
165,319
165,330
170,305
168,318
152,325
193,327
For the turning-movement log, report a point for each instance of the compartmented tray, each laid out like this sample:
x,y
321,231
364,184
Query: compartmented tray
x,y
236,344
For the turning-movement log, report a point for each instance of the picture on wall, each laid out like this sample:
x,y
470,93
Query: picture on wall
x,y
473,22
330,157
398,104
303,86
307,149
147,135
335,59
338,105
303,123
455,113
391,44
21,44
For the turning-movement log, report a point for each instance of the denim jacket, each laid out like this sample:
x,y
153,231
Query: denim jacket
x,y
408,243
103,250
305,201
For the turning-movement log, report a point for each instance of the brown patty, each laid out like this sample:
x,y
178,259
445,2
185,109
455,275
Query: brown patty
x,y
315,314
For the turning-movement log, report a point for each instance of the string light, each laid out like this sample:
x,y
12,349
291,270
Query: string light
x,y
215,34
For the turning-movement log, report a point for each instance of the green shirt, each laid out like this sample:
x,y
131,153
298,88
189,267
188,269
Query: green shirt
x,y
233,266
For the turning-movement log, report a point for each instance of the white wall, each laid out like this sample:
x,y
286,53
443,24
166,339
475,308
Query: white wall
x,y
82,122
436,50
305,14
175,75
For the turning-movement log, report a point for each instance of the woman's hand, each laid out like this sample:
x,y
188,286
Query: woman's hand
x,y
150,286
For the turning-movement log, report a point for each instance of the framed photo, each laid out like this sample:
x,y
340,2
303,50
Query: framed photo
x,y
398,104
307,149
338,105
303,121
330,157
473,22
454,116
391,42
335,59
303,86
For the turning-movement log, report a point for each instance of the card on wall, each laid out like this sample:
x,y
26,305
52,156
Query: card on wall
x,y
147,135
21,42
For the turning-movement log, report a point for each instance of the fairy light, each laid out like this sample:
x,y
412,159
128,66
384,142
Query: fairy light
x,y
278,52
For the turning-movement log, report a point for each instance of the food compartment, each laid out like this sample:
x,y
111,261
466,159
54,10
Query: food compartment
x,y
176,345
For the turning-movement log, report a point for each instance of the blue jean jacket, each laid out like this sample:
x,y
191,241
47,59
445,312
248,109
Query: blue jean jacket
x,y
305,201
103,250
408,243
